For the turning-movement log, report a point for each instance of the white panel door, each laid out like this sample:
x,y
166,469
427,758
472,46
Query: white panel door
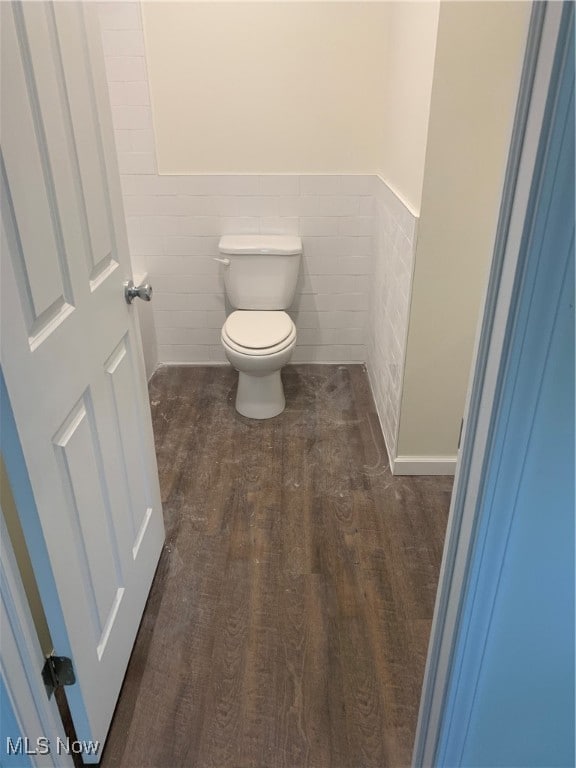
x,y
71,350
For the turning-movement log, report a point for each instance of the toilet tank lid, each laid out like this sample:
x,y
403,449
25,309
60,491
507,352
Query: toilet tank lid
x,y
280,245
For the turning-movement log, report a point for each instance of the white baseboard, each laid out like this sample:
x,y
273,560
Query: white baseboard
x,y
195,364
424,465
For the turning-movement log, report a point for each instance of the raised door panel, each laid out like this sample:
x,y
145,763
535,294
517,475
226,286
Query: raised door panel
x,y
97,566
79,82
121,375
29,196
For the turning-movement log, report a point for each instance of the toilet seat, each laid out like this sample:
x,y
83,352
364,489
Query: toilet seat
x,y
258,333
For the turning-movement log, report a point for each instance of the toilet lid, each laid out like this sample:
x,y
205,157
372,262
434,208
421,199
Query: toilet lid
x,y
256,329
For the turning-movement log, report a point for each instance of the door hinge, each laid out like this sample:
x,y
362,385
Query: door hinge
x,y
57,671
460,435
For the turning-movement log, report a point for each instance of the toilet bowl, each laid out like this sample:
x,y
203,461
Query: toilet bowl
x,y
258,344
260,275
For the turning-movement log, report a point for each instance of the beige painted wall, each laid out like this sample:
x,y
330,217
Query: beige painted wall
x,y
479,56
410,50
280,87
284,87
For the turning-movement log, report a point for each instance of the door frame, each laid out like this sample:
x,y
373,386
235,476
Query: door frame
x,y
23,693
545,35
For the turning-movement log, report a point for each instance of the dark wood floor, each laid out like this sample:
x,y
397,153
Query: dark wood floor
x,y
288,622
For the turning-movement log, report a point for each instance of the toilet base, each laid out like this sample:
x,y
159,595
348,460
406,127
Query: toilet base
x,y
260,396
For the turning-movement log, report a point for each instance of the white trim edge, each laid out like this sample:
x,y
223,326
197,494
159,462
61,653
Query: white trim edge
x,y
424,465
415,212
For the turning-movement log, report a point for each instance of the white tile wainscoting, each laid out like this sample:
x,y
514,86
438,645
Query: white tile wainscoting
x,y
395,231
353,295
175,222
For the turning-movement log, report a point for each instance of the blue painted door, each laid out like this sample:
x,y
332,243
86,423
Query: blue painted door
x,y
518,709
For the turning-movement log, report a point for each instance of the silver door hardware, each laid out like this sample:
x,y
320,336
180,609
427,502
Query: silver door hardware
x,y
132,291
57,671
226,262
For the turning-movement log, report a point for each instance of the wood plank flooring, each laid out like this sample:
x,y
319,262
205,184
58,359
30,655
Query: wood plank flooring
x,y
288,622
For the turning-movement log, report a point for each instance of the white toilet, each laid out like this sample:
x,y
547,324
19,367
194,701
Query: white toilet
x,y
260,275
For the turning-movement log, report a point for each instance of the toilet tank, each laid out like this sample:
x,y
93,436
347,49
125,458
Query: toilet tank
x,y
263,270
